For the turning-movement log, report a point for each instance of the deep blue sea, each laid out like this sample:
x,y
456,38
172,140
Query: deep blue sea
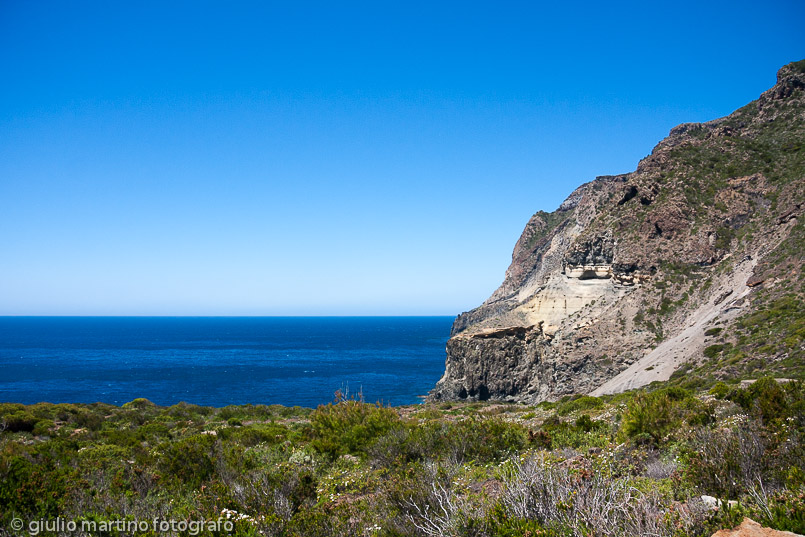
x,y
219,361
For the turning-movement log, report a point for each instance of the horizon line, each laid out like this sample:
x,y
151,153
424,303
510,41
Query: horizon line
x,y
223,316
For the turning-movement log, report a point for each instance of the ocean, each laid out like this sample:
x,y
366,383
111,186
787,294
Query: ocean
x,y
218,361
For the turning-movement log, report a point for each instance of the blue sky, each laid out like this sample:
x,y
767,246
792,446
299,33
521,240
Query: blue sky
x,y
333,158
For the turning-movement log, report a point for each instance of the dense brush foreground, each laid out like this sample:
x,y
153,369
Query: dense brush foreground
x,y
632,464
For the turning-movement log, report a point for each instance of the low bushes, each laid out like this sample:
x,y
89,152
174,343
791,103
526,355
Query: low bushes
x,y
729,463
253,435
571,501
473,440
651,417
191,460
19,421
483,470
349,426
584,432
585,402
771,401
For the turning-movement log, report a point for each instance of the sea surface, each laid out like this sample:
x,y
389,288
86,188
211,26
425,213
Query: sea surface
x,y
218,361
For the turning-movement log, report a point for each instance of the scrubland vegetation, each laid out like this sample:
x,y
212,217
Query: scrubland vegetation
x,y
633,464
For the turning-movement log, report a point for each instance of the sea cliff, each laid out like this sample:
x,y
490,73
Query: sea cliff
x,y
639,276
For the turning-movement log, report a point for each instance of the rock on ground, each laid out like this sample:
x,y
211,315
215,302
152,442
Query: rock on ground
x,y
750,528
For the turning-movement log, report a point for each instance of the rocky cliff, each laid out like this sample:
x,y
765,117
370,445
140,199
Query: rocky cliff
x,y
688,268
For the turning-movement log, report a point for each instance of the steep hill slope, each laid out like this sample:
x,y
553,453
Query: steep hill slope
x,y
688,268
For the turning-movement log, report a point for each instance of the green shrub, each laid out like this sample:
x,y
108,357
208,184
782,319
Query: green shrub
x,y
655,414
88,419
189,412
785,511
479,439
676,393
769,399
720,390
122,437
19,421
501,523
764,398
404,444
103,456
229,412
349,426
585,402
584,423
551,421
584,433
485,439
139,404
713,350
64,412
191,459
43,427
32,489
255,434
10,408
154,430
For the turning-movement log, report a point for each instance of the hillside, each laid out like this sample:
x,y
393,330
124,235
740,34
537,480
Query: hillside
x,y
688,269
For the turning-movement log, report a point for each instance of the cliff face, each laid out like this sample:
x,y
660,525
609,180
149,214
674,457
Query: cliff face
x,y
630,279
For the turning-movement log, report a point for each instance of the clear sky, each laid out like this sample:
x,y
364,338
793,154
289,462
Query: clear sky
x,y
333,158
